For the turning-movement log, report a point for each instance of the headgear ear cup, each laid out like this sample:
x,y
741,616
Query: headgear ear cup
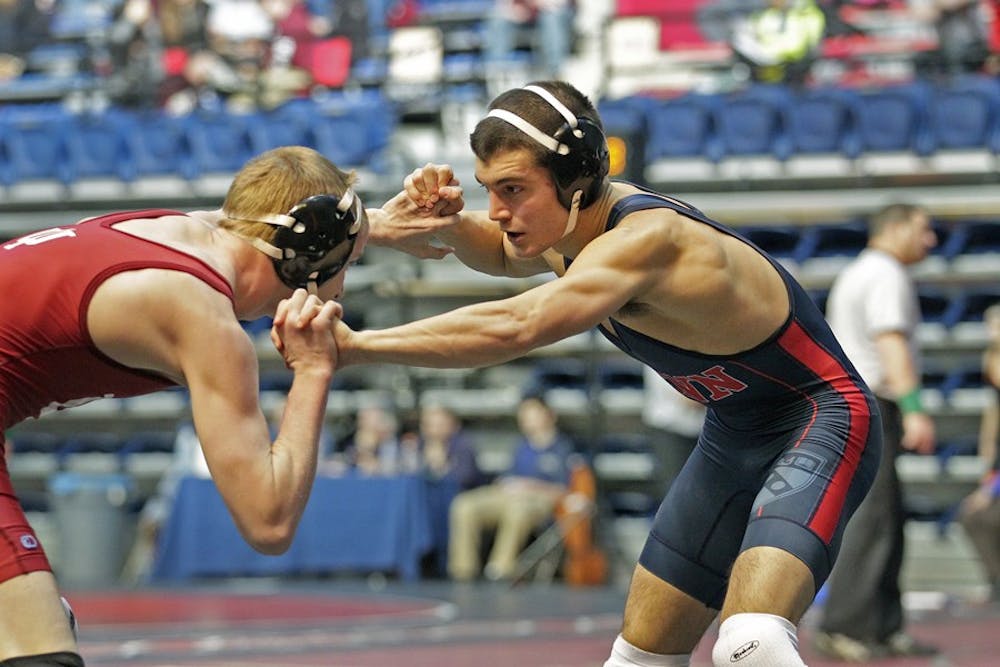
x,y
584,166
310,231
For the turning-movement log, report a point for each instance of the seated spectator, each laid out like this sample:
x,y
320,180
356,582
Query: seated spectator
x,y
979,513
446,452
518,503
24,25
778,43
375,447
448,463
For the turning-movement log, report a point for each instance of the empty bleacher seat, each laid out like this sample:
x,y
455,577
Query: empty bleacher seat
x,y
161,153
97,149
752,122
822,120
93,452
973,247
892,128
625,456
281,127
964,317
822,132
934,307
964,113
827,248
33,144
220,142
682,143
779,241
564,382
355,133
622,385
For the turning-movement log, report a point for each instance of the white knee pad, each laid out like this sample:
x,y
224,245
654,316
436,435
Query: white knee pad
x,y
624,654
757,640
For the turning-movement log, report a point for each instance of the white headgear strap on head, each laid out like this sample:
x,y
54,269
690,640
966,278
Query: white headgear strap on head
x,y
530,130
551,143
555,104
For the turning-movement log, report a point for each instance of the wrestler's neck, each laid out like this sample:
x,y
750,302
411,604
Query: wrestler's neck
x,y
256,287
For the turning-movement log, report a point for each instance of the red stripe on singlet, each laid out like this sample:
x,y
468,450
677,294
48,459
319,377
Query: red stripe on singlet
x,y
800,345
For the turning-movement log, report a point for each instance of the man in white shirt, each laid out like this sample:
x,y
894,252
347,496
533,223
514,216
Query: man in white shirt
x,y
874,311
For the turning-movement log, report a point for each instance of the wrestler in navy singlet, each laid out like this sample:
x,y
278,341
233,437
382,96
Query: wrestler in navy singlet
x,y
790,445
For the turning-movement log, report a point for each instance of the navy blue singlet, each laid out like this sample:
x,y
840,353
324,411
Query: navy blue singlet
x,y
790,445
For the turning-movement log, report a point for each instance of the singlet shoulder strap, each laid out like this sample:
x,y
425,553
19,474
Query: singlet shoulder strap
x,y
121,216
646,200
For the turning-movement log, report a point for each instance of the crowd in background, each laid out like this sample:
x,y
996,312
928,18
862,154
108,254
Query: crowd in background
x,y
247,54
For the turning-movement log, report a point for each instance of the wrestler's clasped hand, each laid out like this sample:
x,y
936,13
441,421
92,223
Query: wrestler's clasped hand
x,y
302,330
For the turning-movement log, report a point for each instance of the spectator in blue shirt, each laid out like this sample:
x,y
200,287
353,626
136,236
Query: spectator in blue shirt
x,y
519,502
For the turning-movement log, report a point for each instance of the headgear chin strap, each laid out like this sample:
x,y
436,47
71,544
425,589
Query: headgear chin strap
x,y
579,160
314,239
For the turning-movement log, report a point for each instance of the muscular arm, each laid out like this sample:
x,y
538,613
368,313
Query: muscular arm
x,y
605,276
196,339
430,208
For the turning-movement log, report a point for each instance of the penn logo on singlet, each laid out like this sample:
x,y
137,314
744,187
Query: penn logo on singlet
x,y
29,542
793,471
712,384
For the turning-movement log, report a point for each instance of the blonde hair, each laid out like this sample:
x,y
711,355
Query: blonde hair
x,y
274,182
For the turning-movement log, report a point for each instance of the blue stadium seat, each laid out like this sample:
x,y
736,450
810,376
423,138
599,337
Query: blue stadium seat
x,y
220,142
91,443
825,249
781,242
832,240
33,144
281,127
147,442
683,127
259,327
823,120
620,374
935,305
355,132
41,442
752,122
561,373
279,380
894,118
968,306
97,146
965,113
971,237
158,145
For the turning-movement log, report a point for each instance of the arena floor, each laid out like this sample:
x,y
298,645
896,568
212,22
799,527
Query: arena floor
x,y
372,622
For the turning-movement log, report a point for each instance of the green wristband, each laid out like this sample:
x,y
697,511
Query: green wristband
x,y
910,401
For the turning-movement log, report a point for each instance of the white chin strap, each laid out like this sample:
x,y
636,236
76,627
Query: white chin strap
x,y
574,211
